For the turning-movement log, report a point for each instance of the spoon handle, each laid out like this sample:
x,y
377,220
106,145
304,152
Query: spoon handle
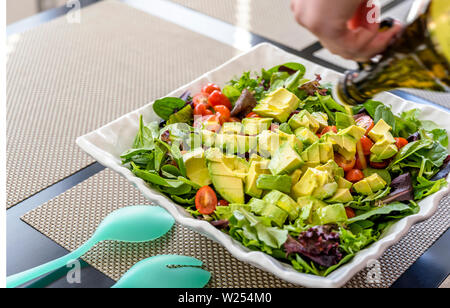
x,y
23,277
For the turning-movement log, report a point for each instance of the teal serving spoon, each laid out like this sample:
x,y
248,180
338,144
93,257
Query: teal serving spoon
x,y
166,271
129,224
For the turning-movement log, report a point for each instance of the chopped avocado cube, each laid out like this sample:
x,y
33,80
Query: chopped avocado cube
x,y
208,138
310,181
326,152
295,176
342,195
268,143
332,213
246,144
362,187
333,169
296,143
355,131
226,142
284,202
309,205
383,149
343,183
276,214
234,128
346,144
282,183
227,174
383,173
278,104
196,168
306,136
256,169
304,119
379,130
325,191
376,182
254,126
321,117
285,160
257,205
285,128
255,157
313,154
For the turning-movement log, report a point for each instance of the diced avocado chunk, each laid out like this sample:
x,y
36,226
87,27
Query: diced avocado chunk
x,y
275,213
325,191
333,169
326,152
385,175
278,104
226,142
309,205
282,183
342,195
284,202
343,183
234,128
312,154
254,126
256,169
345,144
227,174
268,143
355,131
379,130
306,136
309,182
295,176
246,144
370,185
295,143
304,119
332,213
285,160
208,138
196,168
322,118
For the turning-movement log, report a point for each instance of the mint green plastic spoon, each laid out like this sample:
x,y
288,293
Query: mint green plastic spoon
x,y
155,272
130,224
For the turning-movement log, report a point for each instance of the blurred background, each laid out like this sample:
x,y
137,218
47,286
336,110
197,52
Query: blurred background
x,y
20,9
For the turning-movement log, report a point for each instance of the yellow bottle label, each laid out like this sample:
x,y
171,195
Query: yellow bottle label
x,y
439,25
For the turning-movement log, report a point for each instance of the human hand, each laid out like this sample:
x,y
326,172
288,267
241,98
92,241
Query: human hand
x,y
349,28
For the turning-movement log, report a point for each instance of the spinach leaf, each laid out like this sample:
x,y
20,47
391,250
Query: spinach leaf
x,y
165,107
371,106
232,93
425,188
154,178
385,113
385,210
409,150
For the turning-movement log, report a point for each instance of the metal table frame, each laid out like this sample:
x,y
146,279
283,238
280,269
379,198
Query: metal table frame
x,y
429,271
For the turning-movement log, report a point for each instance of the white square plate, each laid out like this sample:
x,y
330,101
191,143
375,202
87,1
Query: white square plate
x,y
107,143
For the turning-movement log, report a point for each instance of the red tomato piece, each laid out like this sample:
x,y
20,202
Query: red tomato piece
x,y
218,98
366,144
350,212
381,165
347,165
400,142
210,88
211,123
222,113
200,98
354,175
202,110
365,122
206,200
253,115
223,203
359,165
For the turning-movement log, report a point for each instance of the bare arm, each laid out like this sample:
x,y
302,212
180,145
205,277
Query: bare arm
x,y
345,27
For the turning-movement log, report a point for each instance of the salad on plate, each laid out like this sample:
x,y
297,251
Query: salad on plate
x,y
274,161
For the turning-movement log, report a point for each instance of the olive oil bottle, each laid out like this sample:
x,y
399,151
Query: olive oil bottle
x,y
419,58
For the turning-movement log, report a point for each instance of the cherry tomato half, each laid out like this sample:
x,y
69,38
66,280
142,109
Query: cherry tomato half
x,y
206,200
202,110
223,203
365,122
200,98
347,165
211,123
222,113
400,142
253,115
354,175
210,88
366,144
218,98
350,212
381,165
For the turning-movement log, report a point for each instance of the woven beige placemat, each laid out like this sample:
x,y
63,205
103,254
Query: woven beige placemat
x,y
271,19
66,79
72,217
